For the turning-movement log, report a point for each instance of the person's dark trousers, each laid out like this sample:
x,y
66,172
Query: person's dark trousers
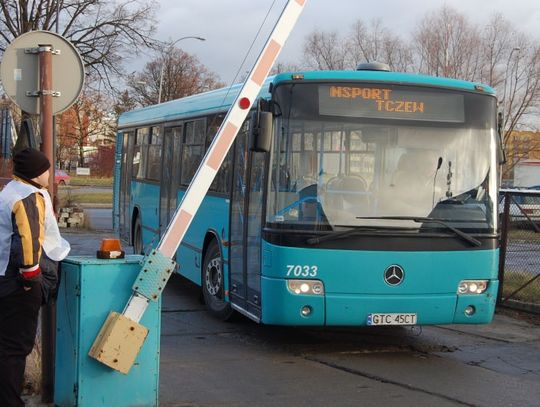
x,y
18,324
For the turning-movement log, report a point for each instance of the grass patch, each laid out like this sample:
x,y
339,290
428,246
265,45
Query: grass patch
x,y
90,181
516,280
87,198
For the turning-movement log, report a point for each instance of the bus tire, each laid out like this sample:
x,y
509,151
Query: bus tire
x,y
213,283
137,237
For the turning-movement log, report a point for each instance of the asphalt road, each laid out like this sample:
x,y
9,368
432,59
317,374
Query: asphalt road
x,y
205,362
99,218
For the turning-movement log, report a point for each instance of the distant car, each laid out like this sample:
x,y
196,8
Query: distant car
x,y
61,177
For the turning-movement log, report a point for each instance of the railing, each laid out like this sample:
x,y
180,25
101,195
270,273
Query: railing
x,y
519,266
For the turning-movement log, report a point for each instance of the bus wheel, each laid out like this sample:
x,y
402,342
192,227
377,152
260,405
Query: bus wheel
x,y
213,286
137,237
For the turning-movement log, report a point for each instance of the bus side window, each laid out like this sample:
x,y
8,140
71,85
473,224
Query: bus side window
x,y
140,153
221,182
192,149
154,155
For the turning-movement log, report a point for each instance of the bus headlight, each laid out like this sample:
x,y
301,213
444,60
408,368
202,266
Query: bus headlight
x,y
306,287
472,286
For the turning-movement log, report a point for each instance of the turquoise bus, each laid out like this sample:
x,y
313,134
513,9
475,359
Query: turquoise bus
x,y
373,201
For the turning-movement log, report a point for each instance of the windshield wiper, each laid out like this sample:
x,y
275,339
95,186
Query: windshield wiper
x,y
468,238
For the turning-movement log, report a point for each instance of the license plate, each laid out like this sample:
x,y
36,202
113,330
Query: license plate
x,y
391,319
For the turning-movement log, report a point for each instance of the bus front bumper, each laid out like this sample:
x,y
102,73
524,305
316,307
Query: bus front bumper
x,y
281,307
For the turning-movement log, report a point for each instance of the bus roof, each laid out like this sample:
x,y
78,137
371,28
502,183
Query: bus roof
x,y
219,100
201,104
384,76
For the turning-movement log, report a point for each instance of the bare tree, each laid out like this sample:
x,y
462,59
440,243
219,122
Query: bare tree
x,y
85,124
183,75
124,102
377,43
521,87
280,67
397,54
496,42
104,32
325,50
447,44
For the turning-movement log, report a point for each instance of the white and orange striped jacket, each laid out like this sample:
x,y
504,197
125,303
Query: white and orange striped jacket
x,y
27,226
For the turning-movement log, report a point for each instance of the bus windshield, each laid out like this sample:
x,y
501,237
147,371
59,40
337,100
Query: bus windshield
x,y
357,155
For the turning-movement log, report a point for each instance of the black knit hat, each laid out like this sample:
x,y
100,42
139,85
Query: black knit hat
x,y
30,163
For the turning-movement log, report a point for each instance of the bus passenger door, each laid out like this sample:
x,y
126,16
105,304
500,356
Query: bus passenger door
x,y
170,168
246,222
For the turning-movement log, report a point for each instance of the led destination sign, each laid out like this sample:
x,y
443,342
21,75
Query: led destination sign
x,y
384,103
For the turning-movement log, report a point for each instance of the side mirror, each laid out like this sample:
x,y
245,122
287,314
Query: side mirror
x,y
260,131
500,130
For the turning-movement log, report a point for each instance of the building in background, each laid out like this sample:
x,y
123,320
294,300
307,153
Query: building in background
x,y
522,159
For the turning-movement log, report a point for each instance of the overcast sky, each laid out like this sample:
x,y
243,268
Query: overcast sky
x,y
229,26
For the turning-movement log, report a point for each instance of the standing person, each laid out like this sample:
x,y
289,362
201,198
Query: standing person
x,y
28,233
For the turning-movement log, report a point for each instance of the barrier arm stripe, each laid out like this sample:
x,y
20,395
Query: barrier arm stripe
x,y
222,142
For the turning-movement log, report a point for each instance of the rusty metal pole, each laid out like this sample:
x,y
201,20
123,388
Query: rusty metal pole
x,y
46,108
48,312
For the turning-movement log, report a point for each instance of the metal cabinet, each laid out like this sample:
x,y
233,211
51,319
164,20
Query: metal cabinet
x,y
89,289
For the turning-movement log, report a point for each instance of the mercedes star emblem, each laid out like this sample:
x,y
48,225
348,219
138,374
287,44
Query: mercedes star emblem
x,y
394,275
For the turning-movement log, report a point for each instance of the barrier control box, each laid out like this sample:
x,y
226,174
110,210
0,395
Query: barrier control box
x,y
89,290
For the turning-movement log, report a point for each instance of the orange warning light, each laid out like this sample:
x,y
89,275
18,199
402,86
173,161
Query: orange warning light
x,y
110,249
